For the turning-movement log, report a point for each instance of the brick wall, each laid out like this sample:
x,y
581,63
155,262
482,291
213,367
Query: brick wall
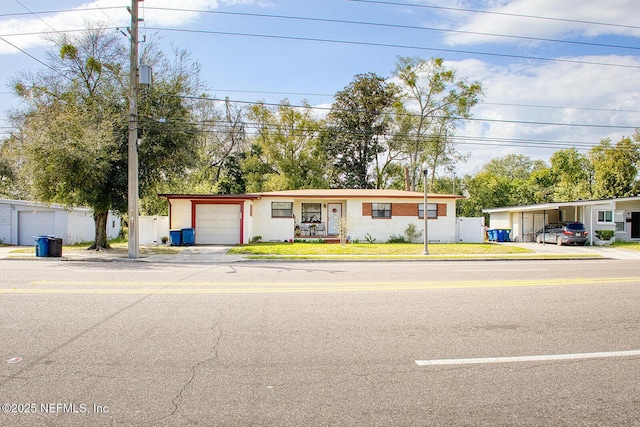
x,y
403,209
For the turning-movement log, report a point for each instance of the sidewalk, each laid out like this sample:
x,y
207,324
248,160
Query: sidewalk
x,y
218,254
185,254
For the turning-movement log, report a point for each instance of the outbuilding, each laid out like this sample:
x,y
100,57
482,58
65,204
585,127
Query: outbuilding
x,y
621,215
21,220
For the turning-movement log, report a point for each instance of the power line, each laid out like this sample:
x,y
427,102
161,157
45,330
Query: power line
x,y
487,120
36,59
395,46
349,22
387,25
457,9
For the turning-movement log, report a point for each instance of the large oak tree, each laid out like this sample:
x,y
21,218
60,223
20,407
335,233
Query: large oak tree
x,y
74,122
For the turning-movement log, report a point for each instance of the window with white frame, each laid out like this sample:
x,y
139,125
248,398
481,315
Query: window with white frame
x,y
281,209
611,217
381,210
605,217
619,218
432,210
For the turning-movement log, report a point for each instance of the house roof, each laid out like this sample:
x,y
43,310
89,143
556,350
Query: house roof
x,y
354,193
557,205
316,194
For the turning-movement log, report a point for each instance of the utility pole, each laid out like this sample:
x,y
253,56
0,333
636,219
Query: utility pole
x,y
134,239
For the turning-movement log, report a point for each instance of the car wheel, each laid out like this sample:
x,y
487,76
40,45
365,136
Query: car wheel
x,y
539,239
559,241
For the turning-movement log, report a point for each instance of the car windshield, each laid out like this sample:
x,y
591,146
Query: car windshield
x,y
575,226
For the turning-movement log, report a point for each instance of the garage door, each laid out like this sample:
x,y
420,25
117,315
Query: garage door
x,y
217,224
35,224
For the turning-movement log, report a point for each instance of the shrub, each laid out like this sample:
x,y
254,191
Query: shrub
x,y
396,239
412,234
369,238
605,234
255,239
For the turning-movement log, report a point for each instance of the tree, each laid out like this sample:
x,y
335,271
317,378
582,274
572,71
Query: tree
x,y
504,181
434,101
74,127
615,167
571,172
289,147
357,123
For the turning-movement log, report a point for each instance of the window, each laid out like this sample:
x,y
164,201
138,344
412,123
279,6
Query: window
x,y
381,210
605,216
281,209
432,210
619,219
311,212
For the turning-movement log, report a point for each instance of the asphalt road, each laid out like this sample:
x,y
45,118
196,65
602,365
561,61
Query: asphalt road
x,y
363,343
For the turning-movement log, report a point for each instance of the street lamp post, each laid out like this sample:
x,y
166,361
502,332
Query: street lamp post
x,y
425,172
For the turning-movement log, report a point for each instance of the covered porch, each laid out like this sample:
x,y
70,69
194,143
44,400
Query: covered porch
x,y
318,218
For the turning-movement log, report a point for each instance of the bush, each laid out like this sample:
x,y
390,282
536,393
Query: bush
x,y
605,234
412,234
397,239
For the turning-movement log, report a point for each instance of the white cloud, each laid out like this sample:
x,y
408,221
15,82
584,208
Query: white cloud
x,y
27,32
617,12
565,93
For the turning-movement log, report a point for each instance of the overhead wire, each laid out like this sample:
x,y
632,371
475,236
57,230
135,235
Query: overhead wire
x,y
488,12
394,46
407,47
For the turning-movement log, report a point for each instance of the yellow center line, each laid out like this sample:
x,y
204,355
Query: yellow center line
x,y
137,287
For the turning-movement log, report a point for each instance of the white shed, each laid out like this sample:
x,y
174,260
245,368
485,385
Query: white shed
x,y
21,220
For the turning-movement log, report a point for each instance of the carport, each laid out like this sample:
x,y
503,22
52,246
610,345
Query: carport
x,y
621,215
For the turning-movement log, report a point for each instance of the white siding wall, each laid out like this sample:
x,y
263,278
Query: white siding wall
x,y
180,213
73,226
248,221
5,223
442,229
81,227
271,229
499,220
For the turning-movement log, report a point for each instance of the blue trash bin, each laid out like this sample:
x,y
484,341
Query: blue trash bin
x,y
42,245
188,236
492,235
507,235
500,235
176,237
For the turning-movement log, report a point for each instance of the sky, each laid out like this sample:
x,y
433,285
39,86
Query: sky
x,y
556,74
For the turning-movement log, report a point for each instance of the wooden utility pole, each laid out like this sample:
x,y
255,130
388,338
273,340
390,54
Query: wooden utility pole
x,y
134,239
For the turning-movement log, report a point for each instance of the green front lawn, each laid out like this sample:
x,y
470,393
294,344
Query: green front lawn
x,y
278,248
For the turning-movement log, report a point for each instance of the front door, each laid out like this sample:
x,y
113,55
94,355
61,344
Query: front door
x,y
635,225
334,214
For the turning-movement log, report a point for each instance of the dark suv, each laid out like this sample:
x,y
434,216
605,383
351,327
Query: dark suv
x,y
563,234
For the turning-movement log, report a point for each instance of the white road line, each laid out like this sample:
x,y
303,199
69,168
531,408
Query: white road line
x,y
542,358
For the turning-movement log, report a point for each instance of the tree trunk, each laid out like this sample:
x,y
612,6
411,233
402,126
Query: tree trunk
x,y
101,239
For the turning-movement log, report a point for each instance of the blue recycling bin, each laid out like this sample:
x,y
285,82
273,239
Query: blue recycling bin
x,y
507,235
492,235
176,237
42,245
500,235
188,236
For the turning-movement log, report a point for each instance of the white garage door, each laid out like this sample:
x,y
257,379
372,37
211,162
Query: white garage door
x,y
35,224
217,224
